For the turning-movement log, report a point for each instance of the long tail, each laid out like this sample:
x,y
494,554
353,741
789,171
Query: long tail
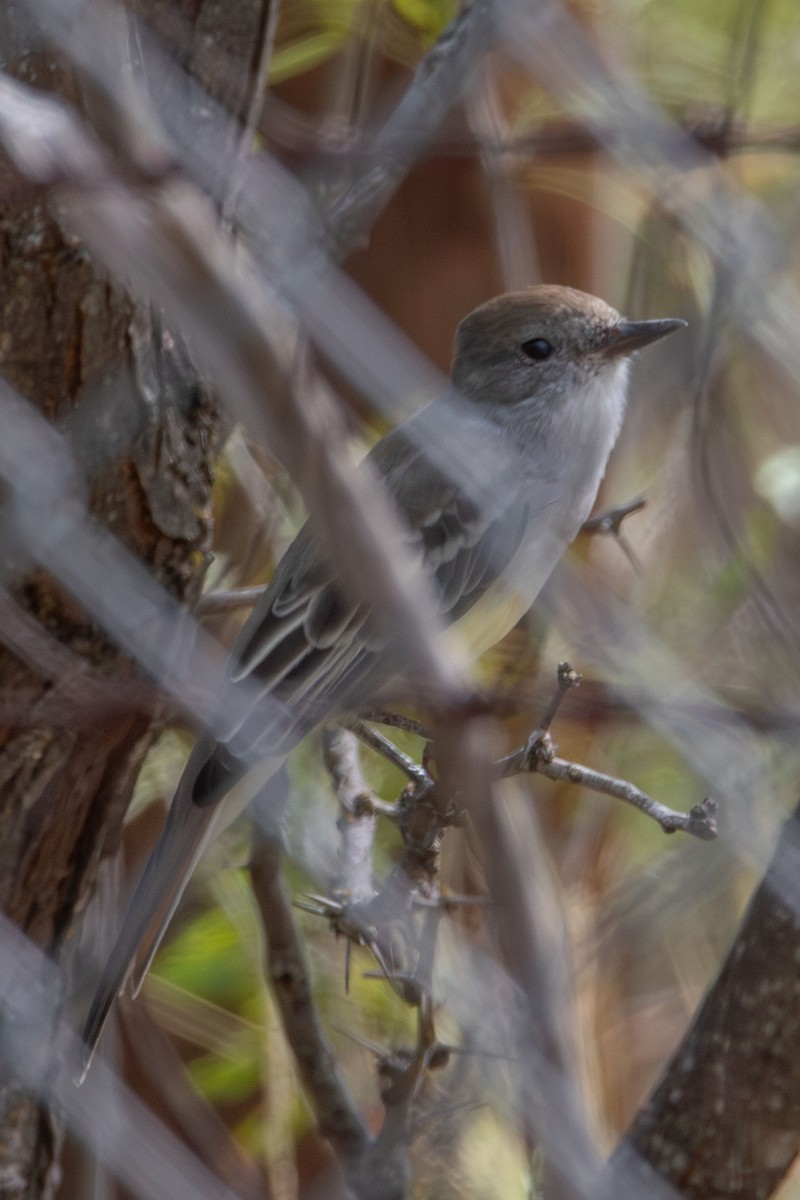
x,y
188,830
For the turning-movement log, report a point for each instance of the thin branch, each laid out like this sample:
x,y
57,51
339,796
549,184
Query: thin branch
x,y
293,130
700,821
381,716
566,679
610,522
268,20
337,1112
376,741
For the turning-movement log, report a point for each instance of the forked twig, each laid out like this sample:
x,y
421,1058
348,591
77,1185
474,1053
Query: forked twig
x,y
382,745
539,755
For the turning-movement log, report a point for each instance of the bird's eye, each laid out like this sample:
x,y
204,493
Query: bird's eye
x,y
538,349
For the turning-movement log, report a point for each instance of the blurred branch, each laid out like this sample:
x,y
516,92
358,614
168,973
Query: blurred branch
x,y
746,45
610,519
121,1132
711,126
199,1123
213,603
527,921
175,253
44,140
438,81
513,231
254,104
724,1120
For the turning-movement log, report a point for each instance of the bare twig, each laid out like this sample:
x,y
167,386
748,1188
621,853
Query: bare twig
x,y
380,716
376,741
567,679
337,1112
539,755
700,821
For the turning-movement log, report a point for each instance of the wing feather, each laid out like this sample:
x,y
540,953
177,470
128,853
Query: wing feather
x,y
310,644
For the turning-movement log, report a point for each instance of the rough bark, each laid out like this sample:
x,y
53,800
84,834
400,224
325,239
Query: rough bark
x,y
724,1120
144,444
64,790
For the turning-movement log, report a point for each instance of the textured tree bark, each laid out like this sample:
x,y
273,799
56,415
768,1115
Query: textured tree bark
x,y
64,790
724,1121
145,444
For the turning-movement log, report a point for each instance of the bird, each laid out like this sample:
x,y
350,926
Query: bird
x,y
540,377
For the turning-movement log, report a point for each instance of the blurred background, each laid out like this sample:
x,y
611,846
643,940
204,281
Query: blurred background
x,y
663,178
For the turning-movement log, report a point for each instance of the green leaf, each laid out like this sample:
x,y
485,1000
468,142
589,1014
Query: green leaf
x,y
305,53
226,1080
429,17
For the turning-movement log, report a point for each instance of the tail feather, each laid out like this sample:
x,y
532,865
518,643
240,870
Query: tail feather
x,y
185,835
189,829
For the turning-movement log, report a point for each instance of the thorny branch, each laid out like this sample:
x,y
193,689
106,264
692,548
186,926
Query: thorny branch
x,y
610,519
337,1112
373,920
364,918
537,755
382,745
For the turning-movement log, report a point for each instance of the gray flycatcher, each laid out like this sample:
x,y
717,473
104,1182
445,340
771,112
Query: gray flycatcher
x,y
541,376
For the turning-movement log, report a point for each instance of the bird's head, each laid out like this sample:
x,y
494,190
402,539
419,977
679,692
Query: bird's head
x,y
538,346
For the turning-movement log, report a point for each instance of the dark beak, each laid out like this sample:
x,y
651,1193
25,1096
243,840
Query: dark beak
x,y
628,336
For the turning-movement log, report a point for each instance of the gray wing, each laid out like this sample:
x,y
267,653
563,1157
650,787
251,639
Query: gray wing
x,y
320,653
313,647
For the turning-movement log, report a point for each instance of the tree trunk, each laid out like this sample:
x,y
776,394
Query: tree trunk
x,y
75,346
